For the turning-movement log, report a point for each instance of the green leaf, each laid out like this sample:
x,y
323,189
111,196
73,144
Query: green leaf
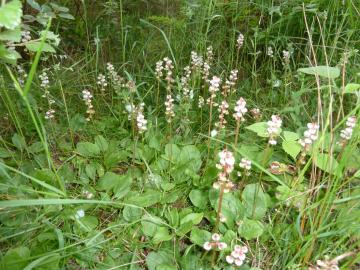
x,y
250,229
190,156
259,128
10,14
18,141
59,8
8,56
326,162
194,218
11,35
155,259
15,259
34,4
146,199
166,267
4,153
34,46
199,237
198,198
150,224
184,228
102,143
132,213
36,147
108,181
254,201
87,149
351,88
113,158
162,234
290,136
51,36
90,170
66,16
322,71
292,148
123,185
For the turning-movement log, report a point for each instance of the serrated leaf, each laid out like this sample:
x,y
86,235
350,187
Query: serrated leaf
x,y
8,56
322,71
34,46
51,36
10,14
11,35
292,148
34,4
59,8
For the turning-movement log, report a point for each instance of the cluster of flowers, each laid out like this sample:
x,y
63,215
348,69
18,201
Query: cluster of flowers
x,y
115,78
237,255
215,243
213,89
230,83
245,164
44,79
240,110
226,165
346,133
240,41
223,110
22,75
169,108
25,36
188,94
273,128
102,82
141,122
137,113
286,57
87,97
310,136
